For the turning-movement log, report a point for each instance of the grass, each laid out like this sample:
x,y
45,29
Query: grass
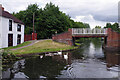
x,y
44,46
20,45
78,44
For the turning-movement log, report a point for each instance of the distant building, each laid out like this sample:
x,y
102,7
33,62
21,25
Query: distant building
x,y
11,29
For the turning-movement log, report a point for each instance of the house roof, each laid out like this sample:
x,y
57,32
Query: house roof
x,y
8,15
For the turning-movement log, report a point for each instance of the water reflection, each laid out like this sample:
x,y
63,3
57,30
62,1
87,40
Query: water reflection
x,y
45,66
85,62
112,61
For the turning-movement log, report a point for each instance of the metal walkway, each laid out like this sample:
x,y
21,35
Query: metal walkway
x,y
87,32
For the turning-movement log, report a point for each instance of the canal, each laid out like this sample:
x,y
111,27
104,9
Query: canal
x,y
88,61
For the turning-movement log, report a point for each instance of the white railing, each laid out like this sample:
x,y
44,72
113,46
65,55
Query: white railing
x,y
89,31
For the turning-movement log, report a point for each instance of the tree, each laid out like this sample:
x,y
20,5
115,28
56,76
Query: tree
x,y
97,26
80,25
108,25
26,16
48,20
114,27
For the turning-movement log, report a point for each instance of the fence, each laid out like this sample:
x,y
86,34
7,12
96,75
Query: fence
x,y
28,37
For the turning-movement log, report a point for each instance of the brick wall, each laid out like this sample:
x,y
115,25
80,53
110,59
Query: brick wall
x,y
65,37
113,39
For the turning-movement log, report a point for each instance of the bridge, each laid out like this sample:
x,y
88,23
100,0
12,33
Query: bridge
x,y
87,32
111,38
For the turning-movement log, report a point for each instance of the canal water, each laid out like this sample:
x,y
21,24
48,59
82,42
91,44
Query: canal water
x,y
88,61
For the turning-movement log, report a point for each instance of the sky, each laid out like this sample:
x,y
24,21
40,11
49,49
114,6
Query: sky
x,y
93,12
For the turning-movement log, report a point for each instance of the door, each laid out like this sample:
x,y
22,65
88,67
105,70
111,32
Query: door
x,y
10,40
19,39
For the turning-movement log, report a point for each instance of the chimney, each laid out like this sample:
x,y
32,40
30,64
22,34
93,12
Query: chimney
x,y
1,7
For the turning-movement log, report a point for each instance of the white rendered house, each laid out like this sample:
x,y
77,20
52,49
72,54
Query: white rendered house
x,y
11,29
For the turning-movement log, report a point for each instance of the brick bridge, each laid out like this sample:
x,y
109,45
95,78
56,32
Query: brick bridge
x,y
111,38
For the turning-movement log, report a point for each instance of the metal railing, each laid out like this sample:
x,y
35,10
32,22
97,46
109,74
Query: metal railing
x,y
89,31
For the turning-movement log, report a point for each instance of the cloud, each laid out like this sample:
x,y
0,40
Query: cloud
x,y
98,11
89,19
108,18
17,5
102,10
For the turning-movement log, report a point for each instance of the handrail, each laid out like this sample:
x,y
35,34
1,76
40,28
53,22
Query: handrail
x,y
89,31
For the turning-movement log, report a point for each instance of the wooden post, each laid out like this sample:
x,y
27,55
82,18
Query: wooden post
x,y
33,27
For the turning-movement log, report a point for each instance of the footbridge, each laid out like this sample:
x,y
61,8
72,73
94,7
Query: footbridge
x,y
87,32
111,38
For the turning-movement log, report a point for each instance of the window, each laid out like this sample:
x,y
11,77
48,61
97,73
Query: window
x,y
19,27
10,25
19,39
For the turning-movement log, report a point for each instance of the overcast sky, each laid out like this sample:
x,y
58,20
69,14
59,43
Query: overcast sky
x,y
94,12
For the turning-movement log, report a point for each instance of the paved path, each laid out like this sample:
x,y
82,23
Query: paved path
x,y
33,42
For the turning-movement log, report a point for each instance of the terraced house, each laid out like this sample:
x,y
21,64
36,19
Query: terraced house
x,y
11,29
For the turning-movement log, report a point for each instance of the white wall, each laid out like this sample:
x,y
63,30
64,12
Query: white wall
x,y
5,31
0,32
22,33
0,28
15,34
5,26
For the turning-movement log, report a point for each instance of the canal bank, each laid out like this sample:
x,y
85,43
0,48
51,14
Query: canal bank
x,y
89,61
32,48
43,46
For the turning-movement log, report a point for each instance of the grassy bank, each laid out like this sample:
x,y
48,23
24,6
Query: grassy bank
x,y
20,45
9,56
43,46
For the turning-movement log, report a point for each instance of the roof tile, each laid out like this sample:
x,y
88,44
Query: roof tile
x,y
8,15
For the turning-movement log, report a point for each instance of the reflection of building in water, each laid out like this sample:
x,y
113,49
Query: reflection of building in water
x,y
112,59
